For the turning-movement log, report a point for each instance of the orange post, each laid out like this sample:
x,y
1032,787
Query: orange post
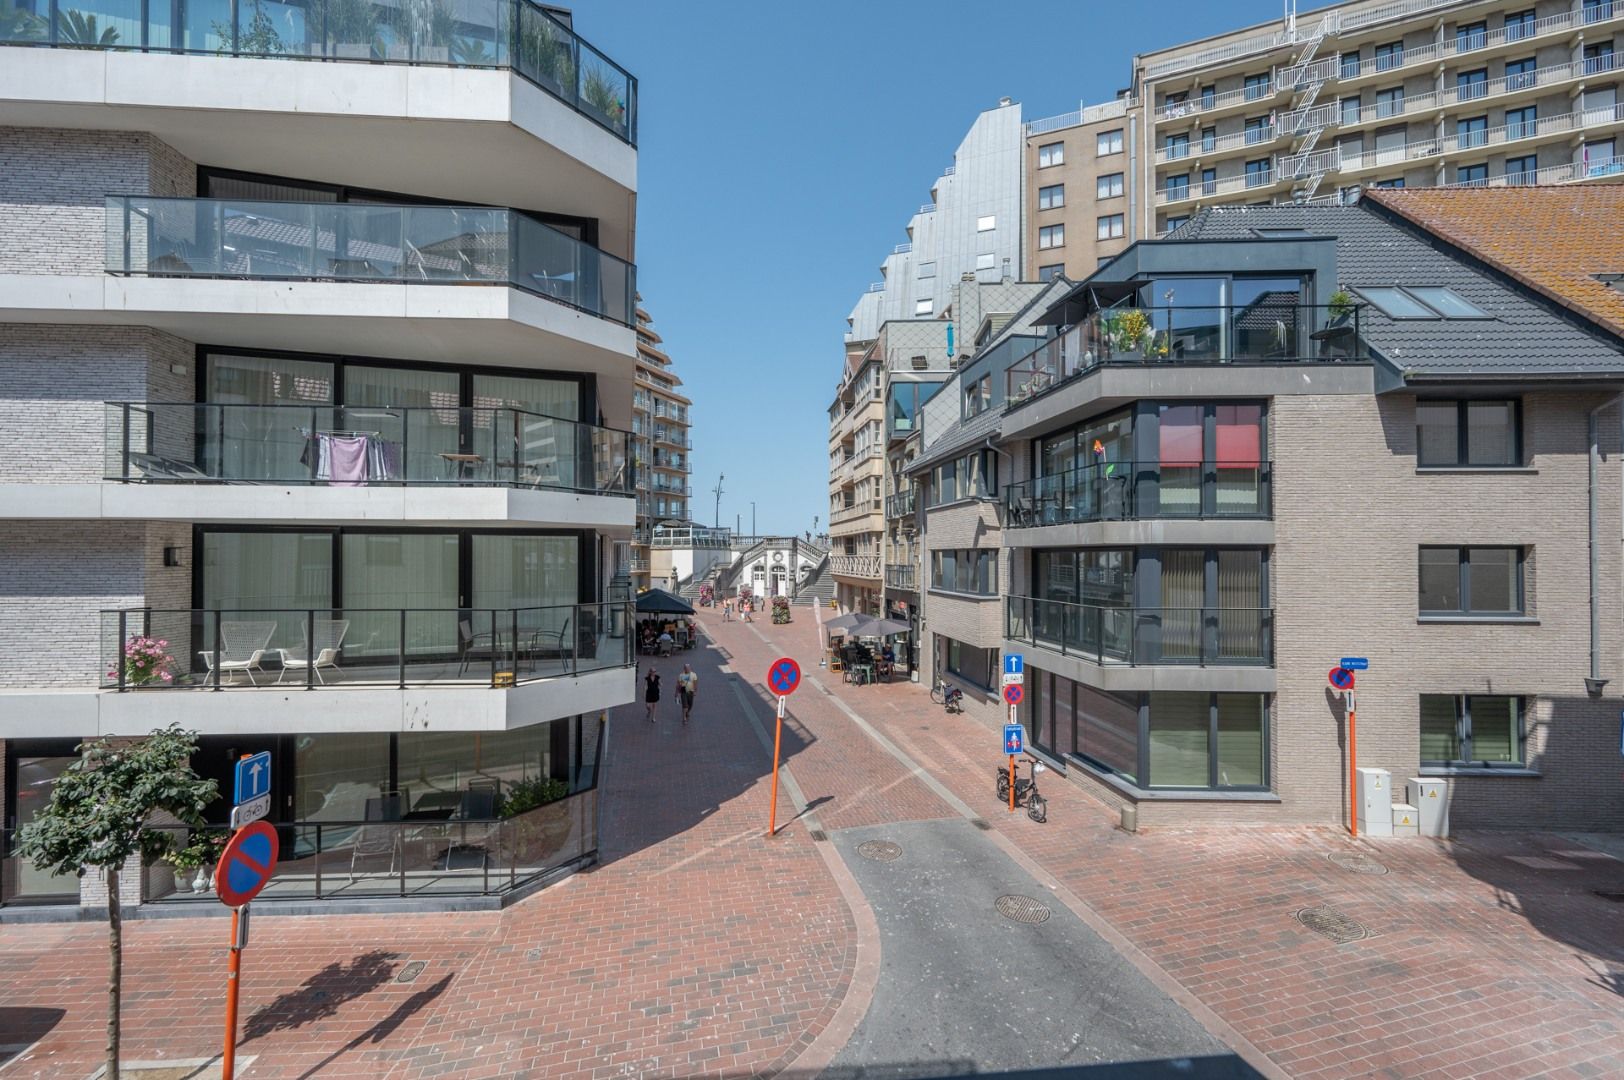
x,y
1012,783
228,1057
1353,766
778,738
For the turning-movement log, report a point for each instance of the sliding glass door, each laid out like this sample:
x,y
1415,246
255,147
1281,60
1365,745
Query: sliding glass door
x,y
248,434
385,573
413,412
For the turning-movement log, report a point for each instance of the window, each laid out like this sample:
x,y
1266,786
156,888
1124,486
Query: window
x,y
1420,302
1281,233
1108,186
1597,10
1209,181
924,306
1471,581
1520,73
1394,182
1051,236
1257,172
1390,102
1522,123
1395,303
1473,730
1209,139
1175,147
1258,129
1350,64
1446,302
972,572
1468,434
1051,154
1519,24
1257,86
1177,187
1469,36
1350,109
978,396
1598,58
1105,259
1471,131
1052,197
1050,272
1389,56
927,270
1172,223
986,223
1471,84
976,666
987,260
1108,142
1522,170
1472,174
1109,227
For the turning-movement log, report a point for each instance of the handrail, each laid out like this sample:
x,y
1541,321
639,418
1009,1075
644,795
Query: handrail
x,y
1500,135
1143,636
516,35
1141,491
1570,172
365,242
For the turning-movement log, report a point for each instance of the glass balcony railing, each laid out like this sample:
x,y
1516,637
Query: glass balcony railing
x,y
1131,491
428,245
518,35
900,505
1204,636
359,446
325,648
899,576
1268,331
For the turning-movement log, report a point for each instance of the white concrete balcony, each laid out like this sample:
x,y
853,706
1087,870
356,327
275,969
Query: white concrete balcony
x,y
413,97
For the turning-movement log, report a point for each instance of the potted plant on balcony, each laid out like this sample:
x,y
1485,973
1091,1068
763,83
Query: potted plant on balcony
x,y
146,662
1340,306
1127,330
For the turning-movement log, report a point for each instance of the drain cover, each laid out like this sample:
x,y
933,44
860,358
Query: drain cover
x,y
879,850
1358,862
1334,925
818,835
411,971
1023,909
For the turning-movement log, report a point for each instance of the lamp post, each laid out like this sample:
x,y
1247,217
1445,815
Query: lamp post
x,y
752,518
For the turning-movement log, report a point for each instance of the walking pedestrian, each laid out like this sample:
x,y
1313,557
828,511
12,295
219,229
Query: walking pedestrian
x,y
651,692
745,605
687,686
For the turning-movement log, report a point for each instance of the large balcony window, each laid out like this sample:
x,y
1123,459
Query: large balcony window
x,y
302,241
517,35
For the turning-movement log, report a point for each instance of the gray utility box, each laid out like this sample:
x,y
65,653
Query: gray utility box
x,y
1431,800
1374,798
1406,820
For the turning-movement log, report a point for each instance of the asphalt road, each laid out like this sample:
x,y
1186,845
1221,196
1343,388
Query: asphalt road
x,y
964,990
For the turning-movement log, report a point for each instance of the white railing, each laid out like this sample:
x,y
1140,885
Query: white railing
x,y
1235,140
1570,173
1199,104
876,286
1502,135
902,249
950,170
857,566
1054,123
1299,166
1467,44
928,208
1220,54
1529,80
1206,189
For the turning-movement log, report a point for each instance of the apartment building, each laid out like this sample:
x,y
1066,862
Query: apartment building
x,y
1294,434
1081,188
857,478
972,224
317,439
1380,93
663,448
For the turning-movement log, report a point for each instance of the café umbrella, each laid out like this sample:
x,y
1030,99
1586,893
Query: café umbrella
x,y
660,602
879,628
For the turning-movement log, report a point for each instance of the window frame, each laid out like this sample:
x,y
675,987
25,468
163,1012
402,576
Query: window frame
x,y
1108,143
1054,152
1108,186
1047,235
1051,196
1463,447
1464,736
1110,227
1464,583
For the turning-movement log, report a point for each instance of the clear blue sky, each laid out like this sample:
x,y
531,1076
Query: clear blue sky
x,y
783,147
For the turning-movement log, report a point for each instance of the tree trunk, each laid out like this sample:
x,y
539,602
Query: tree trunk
x,y
115,947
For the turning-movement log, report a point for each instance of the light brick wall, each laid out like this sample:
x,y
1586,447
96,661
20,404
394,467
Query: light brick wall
x,y
1350,513
968,526
53,189
54,381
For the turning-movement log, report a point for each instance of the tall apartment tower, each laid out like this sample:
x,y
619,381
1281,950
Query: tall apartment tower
x,y
660,435
1080,189
1382,94
315,437
972,224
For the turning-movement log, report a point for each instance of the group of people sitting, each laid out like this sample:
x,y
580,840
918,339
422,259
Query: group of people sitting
x,y
854,654
663,635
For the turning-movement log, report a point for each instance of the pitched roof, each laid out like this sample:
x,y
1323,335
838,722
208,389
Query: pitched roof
x,y
1522,336
1554,240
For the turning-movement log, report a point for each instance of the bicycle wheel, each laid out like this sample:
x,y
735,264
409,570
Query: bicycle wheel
x,y
1037,808
1003,786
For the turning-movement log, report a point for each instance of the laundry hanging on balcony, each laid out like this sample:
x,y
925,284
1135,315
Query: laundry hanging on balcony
x,y
351,459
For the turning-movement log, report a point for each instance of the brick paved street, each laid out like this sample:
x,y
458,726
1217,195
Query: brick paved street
x,y
699,948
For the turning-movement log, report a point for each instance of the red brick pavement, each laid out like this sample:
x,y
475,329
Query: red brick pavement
x,y
697,948
1492,956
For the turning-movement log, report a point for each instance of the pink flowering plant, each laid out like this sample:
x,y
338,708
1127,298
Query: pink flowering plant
x,y
146,661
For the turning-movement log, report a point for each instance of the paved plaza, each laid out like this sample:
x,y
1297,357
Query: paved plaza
x,y
698,947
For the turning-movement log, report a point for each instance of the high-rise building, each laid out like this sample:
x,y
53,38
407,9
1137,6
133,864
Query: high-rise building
x,y
316,437
663,448
1080,190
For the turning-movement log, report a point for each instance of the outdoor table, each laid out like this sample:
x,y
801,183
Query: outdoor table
x,y
461,466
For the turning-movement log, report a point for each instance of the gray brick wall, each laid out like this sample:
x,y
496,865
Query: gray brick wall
x,y
54,381
969,526
53,189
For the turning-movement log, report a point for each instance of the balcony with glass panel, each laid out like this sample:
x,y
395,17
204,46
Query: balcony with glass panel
x,y
1235,488
1139,637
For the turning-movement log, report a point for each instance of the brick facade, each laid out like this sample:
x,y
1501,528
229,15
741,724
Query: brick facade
x,y
978,621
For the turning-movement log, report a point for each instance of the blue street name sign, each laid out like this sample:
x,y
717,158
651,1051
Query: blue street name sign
x,y
1014,739
1354,663
253,776
1014,664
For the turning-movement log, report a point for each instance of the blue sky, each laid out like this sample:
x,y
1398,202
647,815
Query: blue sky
x,y
783,147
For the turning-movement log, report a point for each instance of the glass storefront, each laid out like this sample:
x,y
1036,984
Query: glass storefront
x,y
35,769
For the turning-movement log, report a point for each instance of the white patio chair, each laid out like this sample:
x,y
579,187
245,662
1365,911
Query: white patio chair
x,y
329,640
243,646
373,840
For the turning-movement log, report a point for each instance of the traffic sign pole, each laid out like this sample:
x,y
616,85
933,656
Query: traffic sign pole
x,y
783,678
778,740
1353,765
228,1056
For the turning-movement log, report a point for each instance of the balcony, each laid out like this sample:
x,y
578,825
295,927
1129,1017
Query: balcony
x,y
519,36
1140,637
1572,172
900,505
855,566
1257,180
694,536
669,437
665,485
1266,332
349,242
1220,145
1133,491
900,576
1246,97
854,512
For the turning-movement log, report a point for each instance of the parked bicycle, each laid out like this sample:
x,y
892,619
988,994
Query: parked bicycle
x,y
948,696
1026,791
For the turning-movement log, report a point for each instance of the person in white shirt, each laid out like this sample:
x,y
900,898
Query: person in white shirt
x,y
687,686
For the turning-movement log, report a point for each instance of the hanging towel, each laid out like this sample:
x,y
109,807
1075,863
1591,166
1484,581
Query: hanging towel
x,y
347,457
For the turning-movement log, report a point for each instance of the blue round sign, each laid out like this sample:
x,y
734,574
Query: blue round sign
x,y
783,676
1341,678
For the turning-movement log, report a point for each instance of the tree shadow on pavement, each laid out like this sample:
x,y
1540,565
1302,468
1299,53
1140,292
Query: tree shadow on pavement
x,y
22,1026
386,1027
321,995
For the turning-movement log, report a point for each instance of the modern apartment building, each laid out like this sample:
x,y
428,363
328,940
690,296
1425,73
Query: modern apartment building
x,y
1380,93
1081,187
317,438
857,477
660,434
972,224
1294,434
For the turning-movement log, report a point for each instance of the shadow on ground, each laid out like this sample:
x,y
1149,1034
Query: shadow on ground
x,y
22,1026
323,994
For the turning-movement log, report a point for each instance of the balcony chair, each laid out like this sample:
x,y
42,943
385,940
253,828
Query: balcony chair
x,y
329,640
550,643
238,651
372,841
468,641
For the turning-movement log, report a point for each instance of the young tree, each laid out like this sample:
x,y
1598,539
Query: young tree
x,y
97,819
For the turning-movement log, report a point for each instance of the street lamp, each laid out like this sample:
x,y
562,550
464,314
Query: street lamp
x,y
752,517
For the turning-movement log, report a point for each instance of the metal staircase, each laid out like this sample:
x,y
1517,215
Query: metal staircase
x,y
1306,121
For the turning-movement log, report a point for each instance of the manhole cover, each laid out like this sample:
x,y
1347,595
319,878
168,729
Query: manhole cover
x,y
1334,925
411,971
1356,861
879,850
1021,909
